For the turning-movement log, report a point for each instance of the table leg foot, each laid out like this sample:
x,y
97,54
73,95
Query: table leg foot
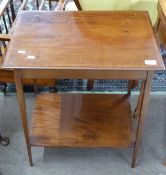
x,y
30,155
134,159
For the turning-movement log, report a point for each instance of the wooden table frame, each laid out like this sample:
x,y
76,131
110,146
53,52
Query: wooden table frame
x,y
146,76
102,45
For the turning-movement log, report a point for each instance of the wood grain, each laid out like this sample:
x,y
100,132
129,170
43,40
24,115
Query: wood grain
x,y
7,75
21,102
97,40
145,96
105,45
81,121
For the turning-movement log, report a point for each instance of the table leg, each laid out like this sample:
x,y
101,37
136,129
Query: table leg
x,y
138,108
90,85
143,109
22,106
37,4
12,10
50,5
35,85
131,84
78,4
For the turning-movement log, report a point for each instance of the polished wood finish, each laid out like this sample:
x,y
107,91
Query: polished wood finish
x,y
7,76
83,74
6,8
21,100
102,44
140,98
132,84
76,121
143,111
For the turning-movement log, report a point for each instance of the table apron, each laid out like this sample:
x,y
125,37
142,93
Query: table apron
x,y
83,74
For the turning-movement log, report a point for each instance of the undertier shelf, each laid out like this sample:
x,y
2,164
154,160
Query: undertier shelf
x,y
81,120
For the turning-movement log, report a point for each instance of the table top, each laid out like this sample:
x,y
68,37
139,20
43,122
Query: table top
x,y
83,40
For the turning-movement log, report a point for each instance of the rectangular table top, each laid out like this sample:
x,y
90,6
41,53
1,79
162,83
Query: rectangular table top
x,y
83,40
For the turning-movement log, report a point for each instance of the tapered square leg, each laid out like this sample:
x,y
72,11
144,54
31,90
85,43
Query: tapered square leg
x,y
22,106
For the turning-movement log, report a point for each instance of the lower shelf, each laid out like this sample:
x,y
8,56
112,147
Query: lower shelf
x,y
86,120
